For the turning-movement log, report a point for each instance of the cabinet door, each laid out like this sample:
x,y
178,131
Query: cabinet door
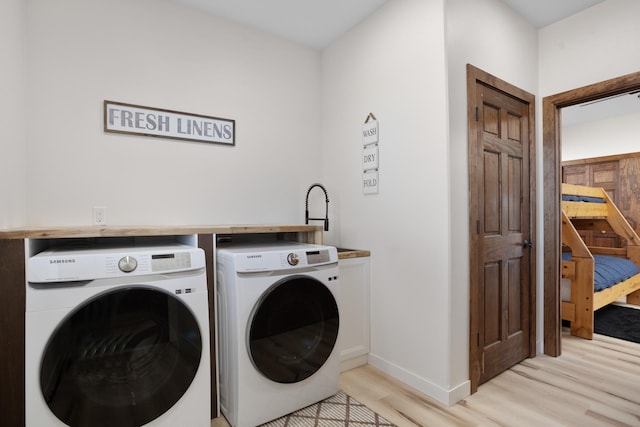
x,y
354,312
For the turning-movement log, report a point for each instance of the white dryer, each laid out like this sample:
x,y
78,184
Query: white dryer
x,y
278,328
117,336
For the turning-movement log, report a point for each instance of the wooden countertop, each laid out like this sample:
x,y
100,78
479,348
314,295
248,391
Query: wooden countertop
x,y
352,253
130,231
119,231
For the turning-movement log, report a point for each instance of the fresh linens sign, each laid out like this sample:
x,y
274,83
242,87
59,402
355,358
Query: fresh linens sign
x,y
148,121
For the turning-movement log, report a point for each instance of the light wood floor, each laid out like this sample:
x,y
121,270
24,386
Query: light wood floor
x,y
593,383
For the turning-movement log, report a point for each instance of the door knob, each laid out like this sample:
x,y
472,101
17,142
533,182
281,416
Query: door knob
x,y
527,244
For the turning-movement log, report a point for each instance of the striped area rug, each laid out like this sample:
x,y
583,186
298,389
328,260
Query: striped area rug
x,y
340,410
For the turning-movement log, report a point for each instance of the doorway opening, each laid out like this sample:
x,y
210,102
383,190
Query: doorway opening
x,y
551,114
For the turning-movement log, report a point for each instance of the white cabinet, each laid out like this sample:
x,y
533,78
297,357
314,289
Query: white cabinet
x,y
354,312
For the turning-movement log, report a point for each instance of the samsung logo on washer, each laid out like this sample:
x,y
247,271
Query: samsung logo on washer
x,y
62,261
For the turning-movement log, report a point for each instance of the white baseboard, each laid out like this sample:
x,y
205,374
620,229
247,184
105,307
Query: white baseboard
x,y
447,397
353,362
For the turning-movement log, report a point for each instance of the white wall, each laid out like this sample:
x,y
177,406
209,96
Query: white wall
x,y
12,138
597,44
606,137
492,37
160,53
393,65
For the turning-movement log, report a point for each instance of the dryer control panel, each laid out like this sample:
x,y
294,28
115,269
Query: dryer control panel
x,y
278,256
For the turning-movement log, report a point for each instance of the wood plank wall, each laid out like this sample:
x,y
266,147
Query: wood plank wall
x,y
619,175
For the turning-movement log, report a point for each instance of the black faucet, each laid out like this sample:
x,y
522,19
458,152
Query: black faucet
x,y
326,214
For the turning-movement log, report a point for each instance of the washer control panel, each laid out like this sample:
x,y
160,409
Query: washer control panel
x,y
63,265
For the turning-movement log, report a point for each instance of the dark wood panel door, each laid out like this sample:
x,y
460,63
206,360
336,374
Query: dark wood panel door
x,y
501,181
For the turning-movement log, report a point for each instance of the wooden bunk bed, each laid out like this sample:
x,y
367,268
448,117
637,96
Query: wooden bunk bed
x,y
591,209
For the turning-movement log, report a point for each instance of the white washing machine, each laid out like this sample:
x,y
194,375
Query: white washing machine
x,y
117,336
278,328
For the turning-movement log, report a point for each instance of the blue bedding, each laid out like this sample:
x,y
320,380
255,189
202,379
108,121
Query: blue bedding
x,y
575,198
609,270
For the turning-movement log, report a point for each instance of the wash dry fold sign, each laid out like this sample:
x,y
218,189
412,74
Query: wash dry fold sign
x,y
136,119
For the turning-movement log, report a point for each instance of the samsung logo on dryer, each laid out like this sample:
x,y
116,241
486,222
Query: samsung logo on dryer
x,y
254,256
62,261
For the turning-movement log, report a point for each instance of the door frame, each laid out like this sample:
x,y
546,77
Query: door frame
x,y
551,148
475,75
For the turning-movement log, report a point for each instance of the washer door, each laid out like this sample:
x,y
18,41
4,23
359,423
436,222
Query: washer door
x,y
122,359
293,329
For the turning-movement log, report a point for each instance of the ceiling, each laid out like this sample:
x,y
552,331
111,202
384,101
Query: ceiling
x,y
541,13
317,23
618,105
312,23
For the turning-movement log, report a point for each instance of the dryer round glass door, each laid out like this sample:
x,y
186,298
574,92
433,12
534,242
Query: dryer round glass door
x,y
293,329
121,359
